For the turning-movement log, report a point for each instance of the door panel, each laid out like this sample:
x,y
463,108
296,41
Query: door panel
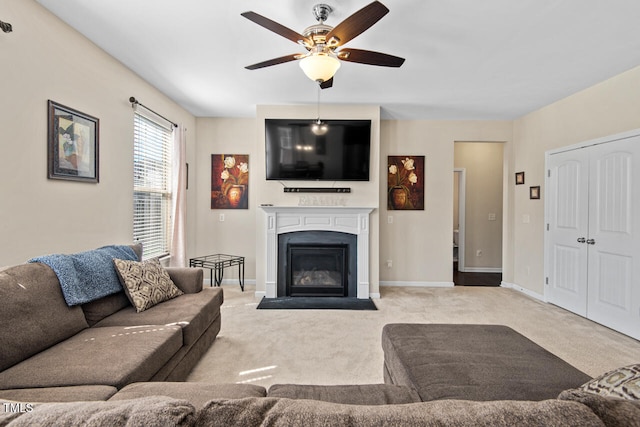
x,y
568,223
614,218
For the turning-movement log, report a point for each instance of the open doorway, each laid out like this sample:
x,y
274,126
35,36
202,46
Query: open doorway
x,y
477,213
459,190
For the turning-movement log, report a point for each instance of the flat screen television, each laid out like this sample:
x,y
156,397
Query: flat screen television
x,y
294,152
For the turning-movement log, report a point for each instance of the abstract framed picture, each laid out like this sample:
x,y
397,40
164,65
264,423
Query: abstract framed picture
x,y
534,192
405,182
73,144
519,178
229,181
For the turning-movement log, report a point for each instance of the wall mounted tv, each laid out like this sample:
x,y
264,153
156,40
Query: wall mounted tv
x,y
294,152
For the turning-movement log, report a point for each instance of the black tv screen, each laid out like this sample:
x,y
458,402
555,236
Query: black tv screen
x,y
294,152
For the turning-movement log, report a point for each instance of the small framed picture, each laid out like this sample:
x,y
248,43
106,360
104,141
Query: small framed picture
x,y
72,144
519,178
534,192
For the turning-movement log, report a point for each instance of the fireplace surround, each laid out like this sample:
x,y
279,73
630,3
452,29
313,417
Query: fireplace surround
x,y
281,220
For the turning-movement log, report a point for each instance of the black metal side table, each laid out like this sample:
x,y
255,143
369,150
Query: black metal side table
x,y
216,263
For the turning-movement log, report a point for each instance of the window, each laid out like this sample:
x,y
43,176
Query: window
x,y
151,185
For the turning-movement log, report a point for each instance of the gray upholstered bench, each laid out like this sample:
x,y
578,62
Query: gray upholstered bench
x,y
473,362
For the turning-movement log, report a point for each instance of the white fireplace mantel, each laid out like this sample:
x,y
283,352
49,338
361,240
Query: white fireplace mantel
x,y
287,219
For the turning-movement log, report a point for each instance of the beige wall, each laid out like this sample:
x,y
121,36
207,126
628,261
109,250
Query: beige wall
x,y
242,231
610,107
237,233
483,164
419,243
45,59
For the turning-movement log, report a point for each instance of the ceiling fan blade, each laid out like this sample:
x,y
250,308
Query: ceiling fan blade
x,y
277,28
369,57
357,23
326,84
274,61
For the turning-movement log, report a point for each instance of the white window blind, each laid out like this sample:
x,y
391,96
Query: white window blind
x,y
151,185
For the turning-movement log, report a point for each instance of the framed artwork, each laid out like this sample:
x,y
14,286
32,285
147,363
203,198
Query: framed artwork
x,y
229,181
534,192
519,178
73,144
405,183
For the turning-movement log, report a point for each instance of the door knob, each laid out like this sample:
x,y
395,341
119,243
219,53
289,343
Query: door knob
x,y
591,242
581,240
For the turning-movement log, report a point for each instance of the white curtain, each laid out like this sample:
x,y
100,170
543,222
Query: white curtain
x,y
178,244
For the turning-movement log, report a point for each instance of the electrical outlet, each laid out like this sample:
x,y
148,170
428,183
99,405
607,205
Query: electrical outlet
x,y
492,217
390,219
479,252
389,263
221,217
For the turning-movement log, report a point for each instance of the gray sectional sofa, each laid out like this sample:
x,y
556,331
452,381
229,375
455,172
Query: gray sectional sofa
x,y
90,351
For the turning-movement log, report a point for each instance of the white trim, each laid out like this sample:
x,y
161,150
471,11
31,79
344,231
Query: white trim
x,y
287,219
260,294
418,284
483,270
596,141
523,290
374,295
462,189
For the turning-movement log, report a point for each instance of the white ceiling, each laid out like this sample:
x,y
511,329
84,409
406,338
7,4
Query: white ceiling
x,y
465,59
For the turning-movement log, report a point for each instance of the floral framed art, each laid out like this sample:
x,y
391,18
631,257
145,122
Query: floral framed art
x,y
519,178
229,181
405,183
73,144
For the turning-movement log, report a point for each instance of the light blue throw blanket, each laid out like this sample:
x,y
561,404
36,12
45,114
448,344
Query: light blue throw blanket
x,y
87,276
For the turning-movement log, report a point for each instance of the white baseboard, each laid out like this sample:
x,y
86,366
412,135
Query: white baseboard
x,y
374,295
227,282
260,294
523,290
419,284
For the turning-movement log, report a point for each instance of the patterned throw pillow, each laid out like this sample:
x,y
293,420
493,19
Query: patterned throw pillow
x,y
146,283
622,382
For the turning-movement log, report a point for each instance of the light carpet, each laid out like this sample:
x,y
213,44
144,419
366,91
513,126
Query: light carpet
x,y
266,347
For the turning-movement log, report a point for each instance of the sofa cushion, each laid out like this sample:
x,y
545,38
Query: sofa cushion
x,y
195,393
613,411
473,362
34,315
366,394
97,310
276,412
146,283
113,356
622,382
59,394
193,312
148,411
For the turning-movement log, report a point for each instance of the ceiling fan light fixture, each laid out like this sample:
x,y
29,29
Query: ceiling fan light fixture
x,y
319,67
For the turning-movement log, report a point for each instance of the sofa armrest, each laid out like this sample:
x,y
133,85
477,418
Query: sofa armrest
x,y
188,279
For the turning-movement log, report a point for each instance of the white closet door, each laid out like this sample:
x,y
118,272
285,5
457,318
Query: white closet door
x,y
614,220
568,201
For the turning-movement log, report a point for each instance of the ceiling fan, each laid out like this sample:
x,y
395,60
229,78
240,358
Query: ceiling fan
x,y
324,43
